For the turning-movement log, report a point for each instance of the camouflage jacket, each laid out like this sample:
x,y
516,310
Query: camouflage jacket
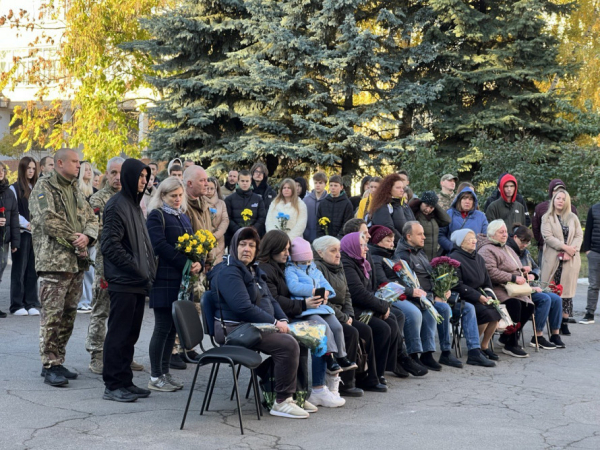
x,y
49,221
98,202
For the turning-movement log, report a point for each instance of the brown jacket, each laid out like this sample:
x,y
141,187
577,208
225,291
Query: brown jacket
x,y
501,267
220,222
553,242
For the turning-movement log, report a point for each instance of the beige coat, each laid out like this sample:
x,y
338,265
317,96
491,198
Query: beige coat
x,y
220,222
503,265
553,242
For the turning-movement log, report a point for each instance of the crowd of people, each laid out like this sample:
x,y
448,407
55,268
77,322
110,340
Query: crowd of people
x,y
281,256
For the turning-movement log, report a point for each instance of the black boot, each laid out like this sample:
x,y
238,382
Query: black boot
x,y
177,363
400,371
476,358
429,361
413,367
564,330
449,360
53,377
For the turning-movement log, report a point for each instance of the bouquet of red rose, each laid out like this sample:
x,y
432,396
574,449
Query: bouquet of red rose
x,y
444,275
409,279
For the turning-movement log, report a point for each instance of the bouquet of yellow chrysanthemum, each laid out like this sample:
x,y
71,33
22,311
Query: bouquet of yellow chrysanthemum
x,y
324,222
195,246
247,216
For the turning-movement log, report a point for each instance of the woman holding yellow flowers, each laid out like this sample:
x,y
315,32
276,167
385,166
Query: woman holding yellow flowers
x,y
166,224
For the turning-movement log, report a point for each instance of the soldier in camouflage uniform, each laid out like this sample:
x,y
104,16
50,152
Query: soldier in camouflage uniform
x,y
94,342
60,211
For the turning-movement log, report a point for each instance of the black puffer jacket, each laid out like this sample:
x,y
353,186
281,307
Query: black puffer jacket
x,y
274,276
11,214
393,215
362,289
383,272
236,203
338,210
472,275
266,192
129,264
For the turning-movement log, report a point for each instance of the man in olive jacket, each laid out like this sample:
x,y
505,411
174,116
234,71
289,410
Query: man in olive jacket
x,y
60,211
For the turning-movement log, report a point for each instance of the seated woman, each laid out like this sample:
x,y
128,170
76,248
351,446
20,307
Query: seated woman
x,y
241,295
273,255
473,278
362,287
548,305
166,222
504,266
328,261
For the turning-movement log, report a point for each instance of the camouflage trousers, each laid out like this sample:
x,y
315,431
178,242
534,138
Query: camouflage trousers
x,y
59,294
94,342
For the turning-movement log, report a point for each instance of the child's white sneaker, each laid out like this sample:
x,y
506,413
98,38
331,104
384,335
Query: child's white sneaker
x,y
325,398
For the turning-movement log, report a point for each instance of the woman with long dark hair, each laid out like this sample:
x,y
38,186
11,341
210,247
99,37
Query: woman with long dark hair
x,y
23,278
9,223
388,207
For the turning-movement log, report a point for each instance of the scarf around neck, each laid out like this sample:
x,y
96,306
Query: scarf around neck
x,y
175,212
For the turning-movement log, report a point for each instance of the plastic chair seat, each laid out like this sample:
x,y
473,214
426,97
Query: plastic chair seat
x,y
239,355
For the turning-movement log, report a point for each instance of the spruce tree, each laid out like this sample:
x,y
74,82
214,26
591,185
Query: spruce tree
x,y
299,83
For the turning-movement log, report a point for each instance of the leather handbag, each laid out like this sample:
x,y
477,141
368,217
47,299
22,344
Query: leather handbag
x,y
245,335
517,290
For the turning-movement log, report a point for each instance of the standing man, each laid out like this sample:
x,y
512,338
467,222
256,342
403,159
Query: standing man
x,y
591,247
129,269
176,171
60,211
94,342
260,185
507,207
231,184
312,200
188,163
446,195
46,165
195,181
241,200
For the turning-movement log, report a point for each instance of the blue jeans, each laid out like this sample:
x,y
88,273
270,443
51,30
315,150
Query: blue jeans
x,y
88,282
318,370
444,327
419,328
469,325
547,306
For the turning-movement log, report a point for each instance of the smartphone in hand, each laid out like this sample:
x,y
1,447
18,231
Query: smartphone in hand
x,y
320,293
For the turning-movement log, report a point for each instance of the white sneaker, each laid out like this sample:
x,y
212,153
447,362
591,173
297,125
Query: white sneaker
x,y
333,384
289,409
83,310
33,312
326,398
20,312
309,407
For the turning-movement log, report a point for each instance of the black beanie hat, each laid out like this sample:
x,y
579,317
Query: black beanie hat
x,y
430,198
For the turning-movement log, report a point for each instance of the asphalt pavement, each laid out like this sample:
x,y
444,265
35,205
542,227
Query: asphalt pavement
x,y
550,400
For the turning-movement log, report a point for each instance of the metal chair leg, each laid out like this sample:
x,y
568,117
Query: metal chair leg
x,y
256,395
537,345
238,376
187,406
237,397
212,387
548,330
208,386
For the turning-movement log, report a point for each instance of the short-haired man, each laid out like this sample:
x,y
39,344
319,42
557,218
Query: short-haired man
x,y
411,249
46,165
94,342
176,171
59,210
188,163
506,207
154,168
260,184
335,210
245,200
129,268
312,200
230,184
591,247
446,194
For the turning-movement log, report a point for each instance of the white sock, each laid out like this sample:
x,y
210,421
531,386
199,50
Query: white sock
x,y
154,379
318,390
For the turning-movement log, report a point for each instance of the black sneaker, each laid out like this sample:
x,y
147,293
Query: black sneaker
x,y
63,371
515,350
428,361
413,367
383,381
564,330
448,359
119,395
177,363
476,358
346,364
2,314
53,377
542,342
351,392
503,338
588,319
556,340
192,354
399,370
332,366
488,353
570,320
140,392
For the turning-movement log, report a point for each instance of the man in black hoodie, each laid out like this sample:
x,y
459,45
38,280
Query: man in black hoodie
x,y
129,269
260,185
244,199
335,209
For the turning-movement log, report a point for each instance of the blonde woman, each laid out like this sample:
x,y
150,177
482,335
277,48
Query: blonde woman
x,y
219,218
561,262
85,181
287,213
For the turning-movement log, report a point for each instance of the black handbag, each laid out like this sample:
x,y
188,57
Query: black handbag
x,y
362,357
244,335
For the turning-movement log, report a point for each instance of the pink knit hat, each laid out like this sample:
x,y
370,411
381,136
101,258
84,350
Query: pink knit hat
x,y
301,250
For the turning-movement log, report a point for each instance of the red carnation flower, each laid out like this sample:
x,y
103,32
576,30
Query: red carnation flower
x,y
398,267
402,297
2,210
103,284
382,285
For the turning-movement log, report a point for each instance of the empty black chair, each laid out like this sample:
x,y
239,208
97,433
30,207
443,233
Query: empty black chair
x,y
189,329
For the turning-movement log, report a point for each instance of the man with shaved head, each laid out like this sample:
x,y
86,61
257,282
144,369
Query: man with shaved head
x,y
60,212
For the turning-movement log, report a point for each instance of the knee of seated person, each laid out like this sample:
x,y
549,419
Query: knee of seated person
x,y
290,344
443,308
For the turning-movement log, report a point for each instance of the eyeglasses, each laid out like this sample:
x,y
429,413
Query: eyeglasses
x,y
260,172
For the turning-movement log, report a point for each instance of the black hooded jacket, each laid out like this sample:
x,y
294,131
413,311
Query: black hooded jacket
x,y
338,210
11,229
239,201
266,192
519,198
129,264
